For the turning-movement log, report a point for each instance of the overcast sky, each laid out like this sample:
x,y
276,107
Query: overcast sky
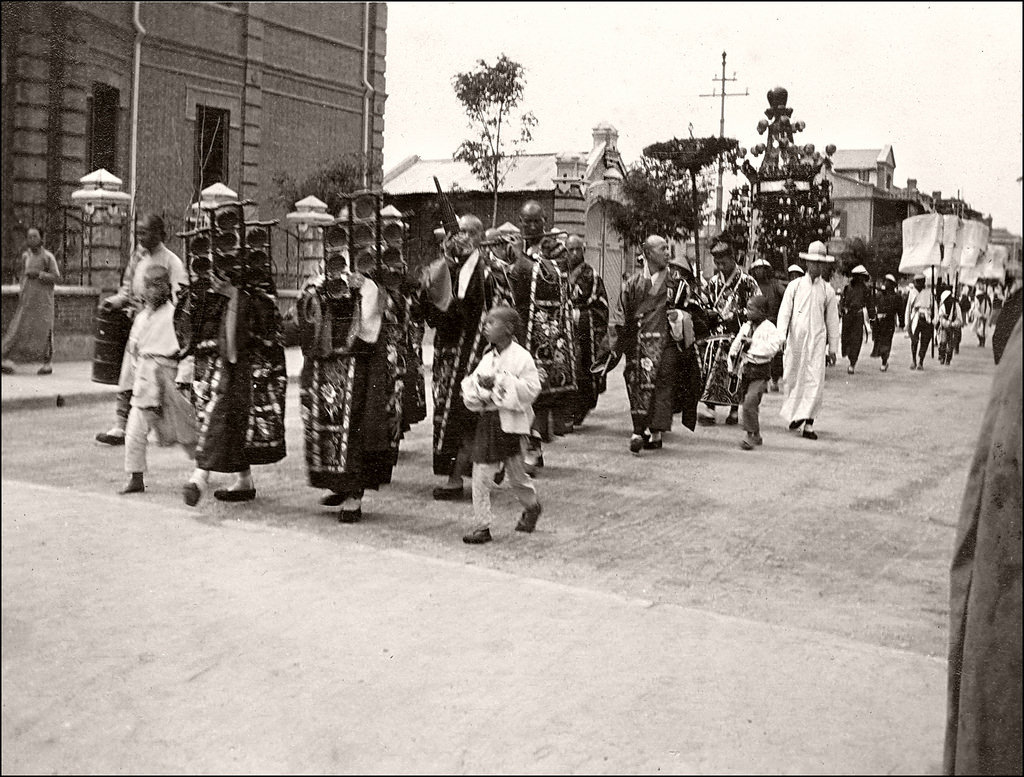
x,y
940,82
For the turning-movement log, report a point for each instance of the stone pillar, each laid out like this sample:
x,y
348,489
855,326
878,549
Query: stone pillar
x,y
310,217
570,199
104,209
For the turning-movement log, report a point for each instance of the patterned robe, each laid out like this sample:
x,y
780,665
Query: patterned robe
x,y
542,297
662,377
414,401
458,345
351,391
590,300
239,404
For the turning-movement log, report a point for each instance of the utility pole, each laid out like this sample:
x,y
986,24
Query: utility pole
x,y
721,133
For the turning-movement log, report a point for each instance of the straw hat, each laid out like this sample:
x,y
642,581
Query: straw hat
x,y
816,252
859,270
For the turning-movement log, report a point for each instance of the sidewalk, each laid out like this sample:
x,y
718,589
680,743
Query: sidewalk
x,y
72,382
149,641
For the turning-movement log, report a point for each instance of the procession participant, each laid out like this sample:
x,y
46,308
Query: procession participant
x,y
887,310
239,382
590,319
1003,327
983,695
795,271
981,309
772,289
29,336
728,292
854,310
645,332
353,337
949,321
501,391
542,298
809,320
918,316
750,357
150,250
149,369
459,293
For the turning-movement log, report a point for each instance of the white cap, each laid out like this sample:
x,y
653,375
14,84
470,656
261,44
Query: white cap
x,y
859,270
795,268
890,277
761,263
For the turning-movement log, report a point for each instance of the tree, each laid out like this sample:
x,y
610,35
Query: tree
x,y
668,190
338,176
887,247
490,96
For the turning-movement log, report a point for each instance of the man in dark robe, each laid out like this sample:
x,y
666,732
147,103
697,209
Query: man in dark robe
x,y
461,287
888,306
590,304
854,310
983,710
652,329
542,299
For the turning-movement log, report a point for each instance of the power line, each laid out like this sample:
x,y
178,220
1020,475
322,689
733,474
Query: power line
x,y
721,133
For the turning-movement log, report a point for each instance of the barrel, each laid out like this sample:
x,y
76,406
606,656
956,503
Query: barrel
x,y
112,329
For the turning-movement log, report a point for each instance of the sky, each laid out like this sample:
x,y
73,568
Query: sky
x,y
941,82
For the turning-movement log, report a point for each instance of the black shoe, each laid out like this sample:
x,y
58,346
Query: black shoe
x,y
796,424
133,486
241,495
190,491
636,443
706,420
732,419
110,439
528,520
808,434
446,494
332,500
350,516
499,477
652,445
478,536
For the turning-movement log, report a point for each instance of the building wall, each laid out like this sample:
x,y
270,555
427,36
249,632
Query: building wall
x,y
291,75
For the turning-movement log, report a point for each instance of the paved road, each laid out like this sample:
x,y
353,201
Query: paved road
x,y
156,642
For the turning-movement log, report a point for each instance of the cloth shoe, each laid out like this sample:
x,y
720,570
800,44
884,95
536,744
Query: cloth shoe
x,y
332,500
134,485
528,520
240,495
446,494
46,369
636,443
112,437
478,536
350,516
191,494
809,434
733,418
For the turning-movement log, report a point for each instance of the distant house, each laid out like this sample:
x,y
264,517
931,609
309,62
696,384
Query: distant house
x,y
574,189
864,198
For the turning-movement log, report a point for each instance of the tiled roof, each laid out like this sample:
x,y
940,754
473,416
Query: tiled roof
x,y
859,159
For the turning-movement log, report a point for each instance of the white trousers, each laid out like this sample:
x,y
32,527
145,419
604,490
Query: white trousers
x,y
483,481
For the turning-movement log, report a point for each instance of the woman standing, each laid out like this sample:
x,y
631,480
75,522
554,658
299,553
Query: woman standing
x,y
29,338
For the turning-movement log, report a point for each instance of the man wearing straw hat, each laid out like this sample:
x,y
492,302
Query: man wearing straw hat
x,y
854,310
919,321
809,319
887,311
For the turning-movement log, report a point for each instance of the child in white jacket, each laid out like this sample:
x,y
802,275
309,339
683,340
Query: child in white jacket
x,y
750,357
501,390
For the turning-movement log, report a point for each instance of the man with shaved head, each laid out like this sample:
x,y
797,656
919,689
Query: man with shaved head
x,y
463,285
648,328
590,319
541,292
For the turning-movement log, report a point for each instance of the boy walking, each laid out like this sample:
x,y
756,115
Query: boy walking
x,y
501,390
750,357
148,371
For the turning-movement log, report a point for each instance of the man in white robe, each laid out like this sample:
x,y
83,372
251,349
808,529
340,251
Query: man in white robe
x,y
809,319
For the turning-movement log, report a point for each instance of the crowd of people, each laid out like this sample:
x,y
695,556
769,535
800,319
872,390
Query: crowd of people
x,y
524,338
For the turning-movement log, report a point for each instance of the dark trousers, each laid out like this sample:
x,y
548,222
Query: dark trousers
x,y
852,335
920,339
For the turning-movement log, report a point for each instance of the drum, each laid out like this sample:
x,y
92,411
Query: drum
x,y
720,388
112,329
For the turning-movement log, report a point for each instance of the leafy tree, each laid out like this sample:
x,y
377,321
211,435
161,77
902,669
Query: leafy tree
x,y
887,247
667,191
338,176
490,96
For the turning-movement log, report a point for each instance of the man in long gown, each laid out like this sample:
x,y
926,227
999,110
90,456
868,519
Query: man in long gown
x,y
649,328
888,307
983,707
854,311
809,318
542,298
29,336
461,290
590,303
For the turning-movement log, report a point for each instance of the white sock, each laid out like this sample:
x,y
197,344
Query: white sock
x,y
352,503
201,477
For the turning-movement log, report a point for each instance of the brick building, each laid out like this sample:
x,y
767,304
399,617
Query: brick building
x,y
229,92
